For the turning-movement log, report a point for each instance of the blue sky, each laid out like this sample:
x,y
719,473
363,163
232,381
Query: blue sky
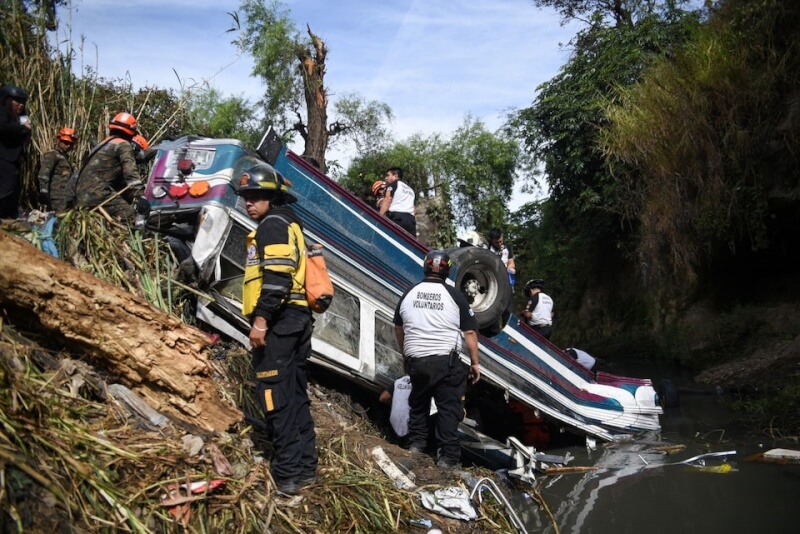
x,y
433,61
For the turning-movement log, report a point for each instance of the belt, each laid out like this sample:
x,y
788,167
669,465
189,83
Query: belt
x,y
430,356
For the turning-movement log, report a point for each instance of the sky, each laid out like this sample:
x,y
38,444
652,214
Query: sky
x,y
434,62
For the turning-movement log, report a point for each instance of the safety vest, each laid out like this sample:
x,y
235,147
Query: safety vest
x,y
277,257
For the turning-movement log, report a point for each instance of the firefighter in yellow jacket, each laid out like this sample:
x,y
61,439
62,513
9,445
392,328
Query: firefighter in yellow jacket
x,y
280,335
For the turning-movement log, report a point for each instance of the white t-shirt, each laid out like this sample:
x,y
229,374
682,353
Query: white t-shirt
x,y
504,253
584,358
542,313
433,316
400,408
402,197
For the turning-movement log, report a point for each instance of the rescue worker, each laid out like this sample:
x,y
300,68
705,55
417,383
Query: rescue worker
x,y
585,359
432,323
539,310
398,201
55,171
498,246
141,149
379,192
15,134
398,398
280,333
109,176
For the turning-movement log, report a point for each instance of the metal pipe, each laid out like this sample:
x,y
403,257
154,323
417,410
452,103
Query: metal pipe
x,y
486,483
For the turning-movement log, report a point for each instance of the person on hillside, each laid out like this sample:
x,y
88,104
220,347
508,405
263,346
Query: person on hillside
x,y
142,152
401,409
55,172
539,310
498,246
585,359
398,398
110,177
398,202
273,298
379,192
432,322
15,135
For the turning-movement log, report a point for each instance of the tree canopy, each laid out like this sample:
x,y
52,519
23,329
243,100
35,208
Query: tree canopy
x,y
468,178
292,66
561,132
706,147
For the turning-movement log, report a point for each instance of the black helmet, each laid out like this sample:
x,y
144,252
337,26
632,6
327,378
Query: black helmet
x,y
264,178
530,284
438,263
12,91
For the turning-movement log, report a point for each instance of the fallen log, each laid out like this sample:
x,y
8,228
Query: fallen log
x,y
156,355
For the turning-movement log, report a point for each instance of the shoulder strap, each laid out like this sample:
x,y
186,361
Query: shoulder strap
x,y
97,148
288,224
91,154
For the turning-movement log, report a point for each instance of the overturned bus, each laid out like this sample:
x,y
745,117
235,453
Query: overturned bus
x,y
192,194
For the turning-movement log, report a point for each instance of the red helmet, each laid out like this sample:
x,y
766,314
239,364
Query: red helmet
x,y
139,141
124,122
67,135
378,188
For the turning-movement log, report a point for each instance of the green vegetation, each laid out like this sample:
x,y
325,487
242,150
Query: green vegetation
x,y
668,144
295,102
468,178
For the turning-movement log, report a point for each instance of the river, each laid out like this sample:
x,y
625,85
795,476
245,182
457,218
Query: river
x,y
641,491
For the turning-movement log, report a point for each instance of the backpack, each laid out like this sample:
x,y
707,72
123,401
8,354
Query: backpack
x,y
319,288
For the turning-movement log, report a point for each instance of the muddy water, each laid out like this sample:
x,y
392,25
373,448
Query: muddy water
x,y
638,491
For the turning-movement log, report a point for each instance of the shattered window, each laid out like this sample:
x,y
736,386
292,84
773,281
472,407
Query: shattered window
x,y
388,359
340,324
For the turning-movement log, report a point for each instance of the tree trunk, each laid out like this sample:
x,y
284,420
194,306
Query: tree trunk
x,y
313,68
153,353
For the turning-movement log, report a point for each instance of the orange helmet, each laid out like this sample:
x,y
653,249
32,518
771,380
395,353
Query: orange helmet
x,y
124,122
139,141
378,187
67,135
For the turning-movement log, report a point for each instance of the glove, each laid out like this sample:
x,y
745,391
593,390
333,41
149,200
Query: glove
x,y
44,198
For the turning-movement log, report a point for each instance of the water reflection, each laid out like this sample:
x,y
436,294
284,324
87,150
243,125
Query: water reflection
x,y
641,489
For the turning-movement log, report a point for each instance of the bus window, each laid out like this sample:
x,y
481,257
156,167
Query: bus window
x,y
340,324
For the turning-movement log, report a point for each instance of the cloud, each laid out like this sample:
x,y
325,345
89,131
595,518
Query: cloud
x,y
432,61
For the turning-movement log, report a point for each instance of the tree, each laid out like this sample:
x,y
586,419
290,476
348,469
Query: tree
x,y
707,148
480,168
366,123
561,131
210,114
468,178
293,69
622,12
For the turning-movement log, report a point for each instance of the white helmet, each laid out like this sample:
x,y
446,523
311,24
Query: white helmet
x,y
473,238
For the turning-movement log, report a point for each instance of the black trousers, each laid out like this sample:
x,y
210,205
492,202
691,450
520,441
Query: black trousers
x,y
407,221
445,380
544,330
282,390
10,188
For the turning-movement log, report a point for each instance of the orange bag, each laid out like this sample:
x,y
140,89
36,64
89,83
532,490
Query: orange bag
x,y
319,288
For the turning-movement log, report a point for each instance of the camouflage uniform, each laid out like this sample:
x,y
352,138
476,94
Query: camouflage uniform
x,y
54,179
110,169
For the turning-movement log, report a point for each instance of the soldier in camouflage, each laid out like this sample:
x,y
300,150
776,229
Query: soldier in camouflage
x,y
55,172
109,176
